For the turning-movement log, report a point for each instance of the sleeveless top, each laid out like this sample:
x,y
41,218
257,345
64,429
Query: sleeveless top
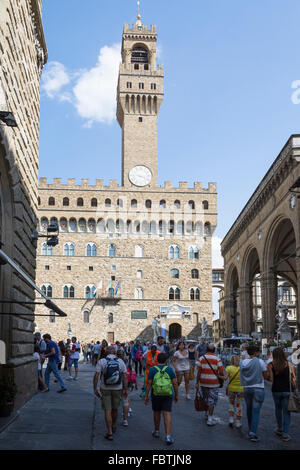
x,y
192,355
281,382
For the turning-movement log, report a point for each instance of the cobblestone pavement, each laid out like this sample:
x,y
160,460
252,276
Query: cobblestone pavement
x,y
74,420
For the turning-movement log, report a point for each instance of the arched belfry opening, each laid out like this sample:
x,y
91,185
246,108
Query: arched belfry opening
x,y
139,55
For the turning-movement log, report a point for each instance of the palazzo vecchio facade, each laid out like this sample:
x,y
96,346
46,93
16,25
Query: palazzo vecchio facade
x,y
132,256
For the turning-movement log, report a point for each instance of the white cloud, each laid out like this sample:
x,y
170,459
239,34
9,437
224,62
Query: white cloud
x,y
95,90
54,78
217,258
92,92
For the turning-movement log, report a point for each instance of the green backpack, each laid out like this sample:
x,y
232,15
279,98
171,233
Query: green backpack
x,y
162,384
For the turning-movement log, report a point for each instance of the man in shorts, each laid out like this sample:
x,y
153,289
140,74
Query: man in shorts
x,y
210,372
162,404
74,358
111,394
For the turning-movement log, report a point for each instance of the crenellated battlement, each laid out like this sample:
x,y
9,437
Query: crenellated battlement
x,y
113,185
142,29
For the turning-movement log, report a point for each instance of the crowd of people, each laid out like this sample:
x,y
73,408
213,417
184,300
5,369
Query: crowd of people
x,y
163,367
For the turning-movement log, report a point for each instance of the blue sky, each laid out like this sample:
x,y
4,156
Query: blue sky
x,y
229,68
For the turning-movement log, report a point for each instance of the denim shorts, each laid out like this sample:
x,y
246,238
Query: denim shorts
x,y
73,361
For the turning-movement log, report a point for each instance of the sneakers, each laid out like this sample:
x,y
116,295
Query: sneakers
x,y
211,421
238,424
155,434
253,437
231,421
169,440
75,378
285,437
188,396
69,378
278,432
62,390
125,422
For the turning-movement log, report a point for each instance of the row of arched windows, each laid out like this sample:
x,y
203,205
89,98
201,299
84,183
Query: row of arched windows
x,y
91,290
133,203
119,226
92,251
175,293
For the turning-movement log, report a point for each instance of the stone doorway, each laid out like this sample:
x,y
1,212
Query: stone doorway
x,y
175,331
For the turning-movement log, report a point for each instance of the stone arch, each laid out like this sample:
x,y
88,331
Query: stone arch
x,y
281,245
132,107
279,262
138,104
175,331
231,299
250,292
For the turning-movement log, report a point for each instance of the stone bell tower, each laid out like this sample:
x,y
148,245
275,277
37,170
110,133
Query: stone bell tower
x,y
139,97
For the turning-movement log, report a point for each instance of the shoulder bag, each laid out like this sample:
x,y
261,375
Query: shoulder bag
x,y
199,402
294,400
221,381
232,380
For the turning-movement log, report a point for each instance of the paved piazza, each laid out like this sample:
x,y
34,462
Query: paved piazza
x,y
74,420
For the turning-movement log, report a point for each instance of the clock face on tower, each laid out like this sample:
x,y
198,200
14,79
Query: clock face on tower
x,y
140,175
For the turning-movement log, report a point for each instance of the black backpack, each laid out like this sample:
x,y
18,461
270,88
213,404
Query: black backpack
x,y
112,373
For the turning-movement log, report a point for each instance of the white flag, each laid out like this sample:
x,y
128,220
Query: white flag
x,y
99,287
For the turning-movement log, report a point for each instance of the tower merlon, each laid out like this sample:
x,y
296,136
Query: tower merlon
x,y
139,29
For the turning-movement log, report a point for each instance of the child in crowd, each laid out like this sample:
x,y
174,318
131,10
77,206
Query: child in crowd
x,y
39,364
127,411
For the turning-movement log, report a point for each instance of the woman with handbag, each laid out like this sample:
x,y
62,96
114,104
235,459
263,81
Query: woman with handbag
x,y
192,359
283,378
181,364
234,391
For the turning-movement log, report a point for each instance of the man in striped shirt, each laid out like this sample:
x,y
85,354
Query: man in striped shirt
x,y
210,369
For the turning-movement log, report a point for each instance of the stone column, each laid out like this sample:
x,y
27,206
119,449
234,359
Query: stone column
x,y
268,302
228,312
245,310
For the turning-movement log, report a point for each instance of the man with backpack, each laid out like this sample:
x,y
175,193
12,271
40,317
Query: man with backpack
x,y
162,380
113,385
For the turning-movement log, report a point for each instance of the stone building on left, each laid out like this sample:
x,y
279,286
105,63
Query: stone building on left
x,y
23,54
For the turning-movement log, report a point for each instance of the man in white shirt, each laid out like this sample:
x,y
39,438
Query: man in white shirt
x,y
74,358
113,385
253,371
